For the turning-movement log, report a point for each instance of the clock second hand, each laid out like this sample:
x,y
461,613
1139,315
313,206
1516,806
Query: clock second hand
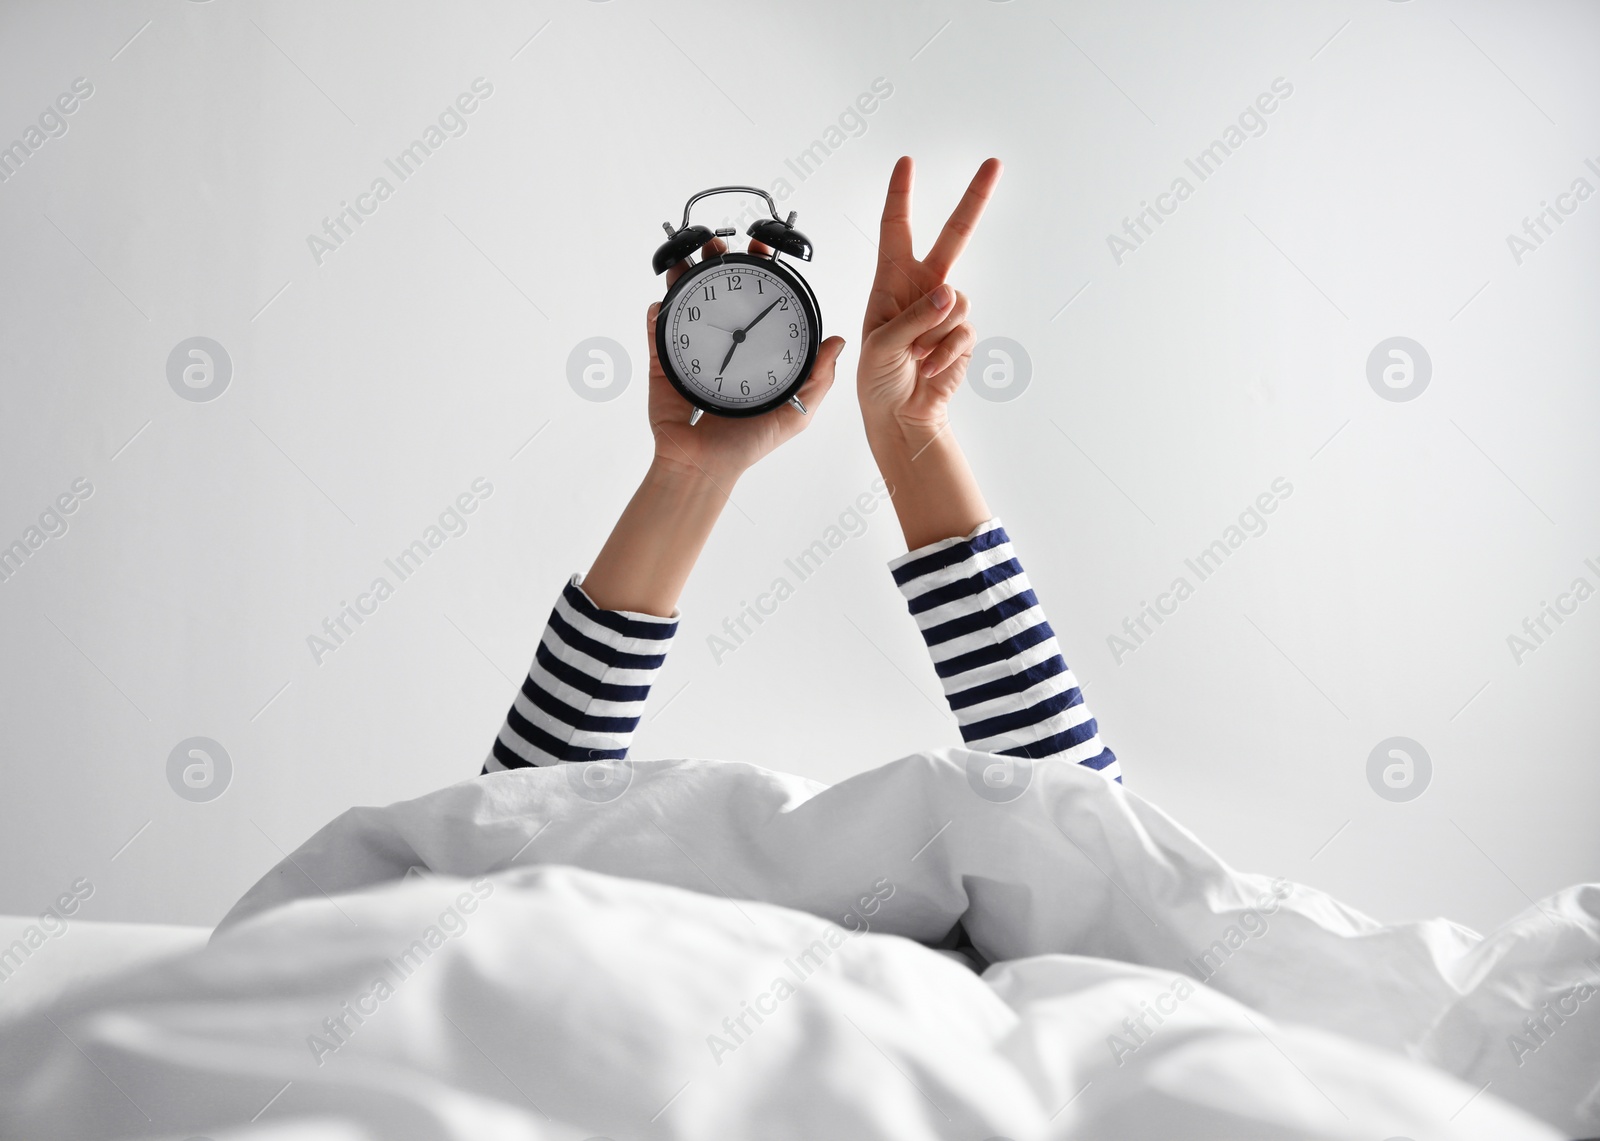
x,y
738,337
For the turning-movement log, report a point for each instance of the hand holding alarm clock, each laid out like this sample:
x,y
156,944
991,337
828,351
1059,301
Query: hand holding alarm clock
x,y
737,336
916,342
718,343
751,306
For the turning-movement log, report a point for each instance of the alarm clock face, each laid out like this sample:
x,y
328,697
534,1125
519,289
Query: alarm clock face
x,y
737,335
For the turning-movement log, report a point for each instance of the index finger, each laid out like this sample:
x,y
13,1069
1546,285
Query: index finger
x,y
963,220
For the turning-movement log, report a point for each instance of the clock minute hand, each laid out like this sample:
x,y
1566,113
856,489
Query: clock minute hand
x,y
738,337
757,320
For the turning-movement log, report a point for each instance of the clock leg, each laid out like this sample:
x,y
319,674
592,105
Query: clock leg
x,y
801,408
694,417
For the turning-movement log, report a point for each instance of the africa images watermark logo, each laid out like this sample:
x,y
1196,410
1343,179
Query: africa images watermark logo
x,y
1399,369
52,924
798,968
1542,226
451,523
998,778
1538,628
451,923
1399,769
53,123
851,123
1250,124
199,769
598,369
851,523
52,524
599,781
451,123
1250,924
199,369
1541,1025
1251,523
1000,369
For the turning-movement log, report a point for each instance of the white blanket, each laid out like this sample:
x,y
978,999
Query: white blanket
x,y
699,949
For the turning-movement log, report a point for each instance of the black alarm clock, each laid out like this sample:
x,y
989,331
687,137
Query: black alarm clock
x,y
737,334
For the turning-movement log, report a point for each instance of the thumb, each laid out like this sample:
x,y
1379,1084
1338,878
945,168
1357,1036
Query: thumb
x,y
816,386
650,315
820,381
921,315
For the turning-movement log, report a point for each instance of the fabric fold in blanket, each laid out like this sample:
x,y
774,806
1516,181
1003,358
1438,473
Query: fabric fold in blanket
x,y
701,948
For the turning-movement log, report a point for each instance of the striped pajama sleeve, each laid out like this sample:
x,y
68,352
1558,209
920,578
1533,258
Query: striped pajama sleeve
x,y
995,654
587,686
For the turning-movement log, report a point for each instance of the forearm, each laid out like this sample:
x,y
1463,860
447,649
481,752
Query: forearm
x,y
652,549
608,635
606,640
935,494
995,653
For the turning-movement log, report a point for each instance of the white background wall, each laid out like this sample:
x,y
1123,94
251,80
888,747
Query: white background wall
x,y
370,390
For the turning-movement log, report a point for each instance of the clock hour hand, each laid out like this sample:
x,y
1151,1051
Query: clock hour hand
x,y
738,337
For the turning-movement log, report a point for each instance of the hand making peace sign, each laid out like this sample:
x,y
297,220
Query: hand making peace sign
x,y
915,339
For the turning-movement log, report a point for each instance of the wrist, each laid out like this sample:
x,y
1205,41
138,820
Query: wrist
x,y
896,439
681,477
932,488
653,547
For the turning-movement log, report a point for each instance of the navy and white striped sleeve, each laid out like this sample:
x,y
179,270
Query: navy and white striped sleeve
x,y
587,686
995,654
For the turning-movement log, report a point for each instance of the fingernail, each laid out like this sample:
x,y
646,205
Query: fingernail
x,y
941,297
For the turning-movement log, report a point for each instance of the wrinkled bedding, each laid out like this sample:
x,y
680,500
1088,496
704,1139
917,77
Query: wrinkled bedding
x,y
76,952
702,949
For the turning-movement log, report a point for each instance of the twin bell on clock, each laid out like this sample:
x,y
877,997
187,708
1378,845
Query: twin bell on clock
x,y
737,334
